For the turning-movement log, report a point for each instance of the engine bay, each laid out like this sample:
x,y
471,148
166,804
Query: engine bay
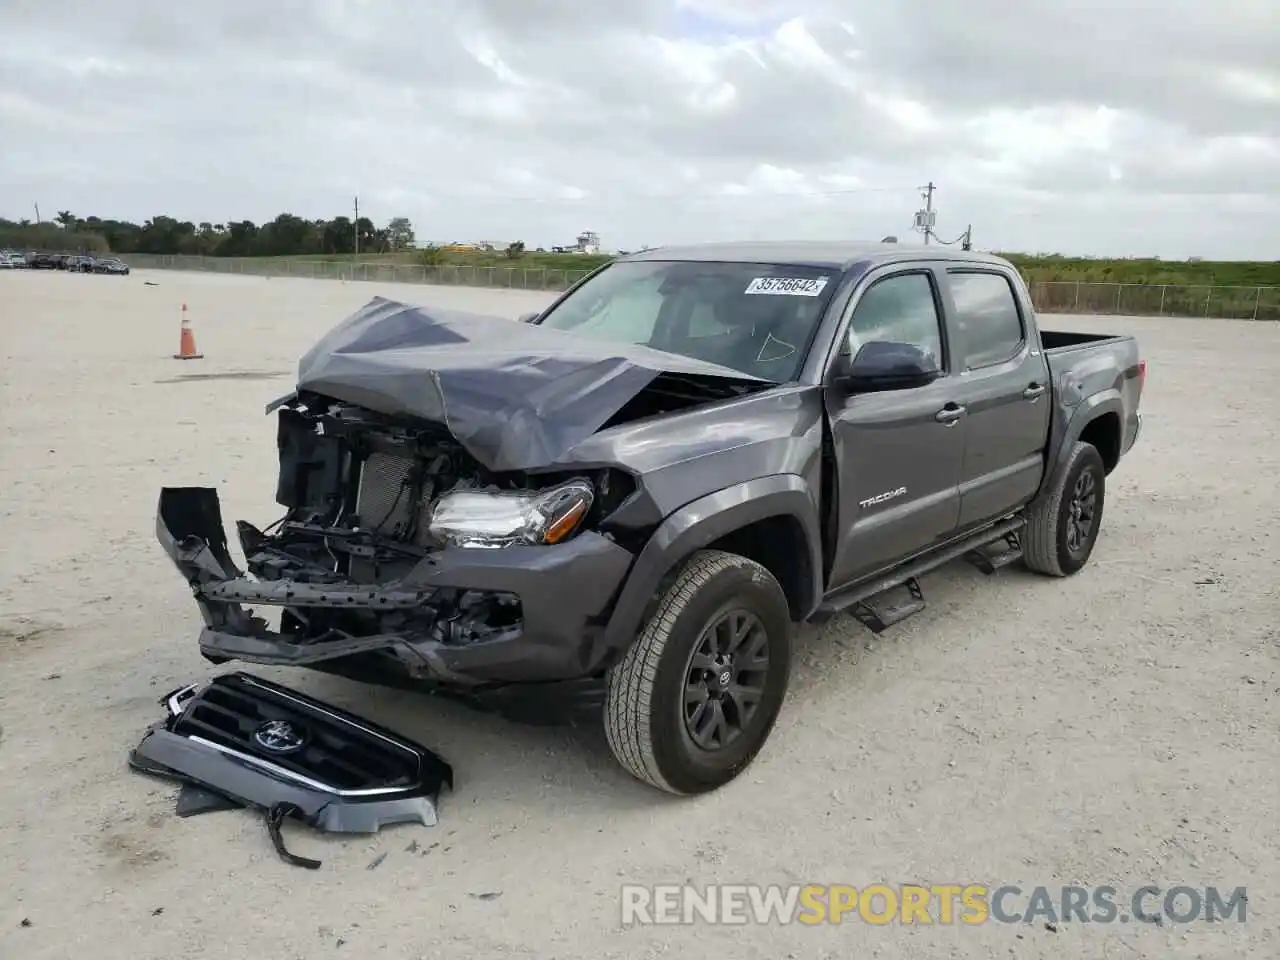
x,y
370,498
362,490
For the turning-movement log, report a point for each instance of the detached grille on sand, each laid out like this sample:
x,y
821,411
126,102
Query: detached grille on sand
x,y
241,741
240,713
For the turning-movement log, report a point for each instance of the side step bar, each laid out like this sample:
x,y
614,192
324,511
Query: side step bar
x,y
860,598
992,561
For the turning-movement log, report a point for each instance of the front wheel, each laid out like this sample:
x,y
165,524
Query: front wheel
x,y
697,695
1062,525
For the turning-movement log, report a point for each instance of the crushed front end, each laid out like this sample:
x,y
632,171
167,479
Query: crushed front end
x,y
402,558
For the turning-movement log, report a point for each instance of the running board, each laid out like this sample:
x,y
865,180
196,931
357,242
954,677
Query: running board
x,y
991,561
860,600
880,616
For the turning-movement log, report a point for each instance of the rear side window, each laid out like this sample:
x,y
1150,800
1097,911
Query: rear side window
x,y
987,317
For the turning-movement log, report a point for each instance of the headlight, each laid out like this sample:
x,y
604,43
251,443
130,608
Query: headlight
x,y
472,518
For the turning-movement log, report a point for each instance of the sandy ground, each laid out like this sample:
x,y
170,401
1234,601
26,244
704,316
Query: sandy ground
x,y
1116,728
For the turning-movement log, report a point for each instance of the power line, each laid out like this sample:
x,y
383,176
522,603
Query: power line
x,y
965,238
689,195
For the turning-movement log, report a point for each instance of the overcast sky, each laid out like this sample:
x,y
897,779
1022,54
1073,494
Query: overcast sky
x,y
1076,126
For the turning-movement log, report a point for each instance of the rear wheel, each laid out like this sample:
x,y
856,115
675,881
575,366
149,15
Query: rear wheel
x,y
698,693
1062,525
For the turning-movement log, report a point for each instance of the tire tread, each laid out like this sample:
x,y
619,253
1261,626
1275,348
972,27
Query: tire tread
x,y
1040,536
631,682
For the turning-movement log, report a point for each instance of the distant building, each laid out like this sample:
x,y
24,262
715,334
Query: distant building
x,y
588,242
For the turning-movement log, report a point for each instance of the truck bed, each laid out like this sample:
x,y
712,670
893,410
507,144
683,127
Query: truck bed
x,y
1105,369
1058,341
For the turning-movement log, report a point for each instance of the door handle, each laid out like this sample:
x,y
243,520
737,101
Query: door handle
x,y
1033,392
949,415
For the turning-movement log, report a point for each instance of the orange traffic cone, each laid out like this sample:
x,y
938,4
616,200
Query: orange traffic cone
x,y
187,346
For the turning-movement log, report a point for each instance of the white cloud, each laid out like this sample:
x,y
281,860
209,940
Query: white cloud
x,y
1258,86
1083,127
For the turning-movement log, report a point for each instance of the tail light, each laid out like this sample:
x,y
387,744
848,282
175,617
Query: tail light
x,y
1142,374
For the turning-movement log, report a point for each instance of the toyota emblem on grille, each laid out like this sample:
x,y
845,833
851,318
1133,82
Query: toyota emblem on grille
x,y
279,736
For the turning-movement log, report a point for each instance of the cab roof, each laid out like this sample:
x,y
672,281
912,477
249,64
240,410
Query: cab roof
x,y
829,254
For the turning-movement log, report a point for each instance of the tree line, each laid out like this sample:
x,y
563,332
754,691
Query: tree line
x,y
287,235
290,235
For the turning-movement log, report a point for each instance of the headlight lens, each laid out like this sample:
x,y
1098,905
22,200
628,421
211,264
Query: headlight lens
x,y
474,518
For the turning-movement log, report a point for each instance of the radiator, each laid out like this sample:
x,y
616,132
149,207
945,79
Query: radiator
x,y
384,500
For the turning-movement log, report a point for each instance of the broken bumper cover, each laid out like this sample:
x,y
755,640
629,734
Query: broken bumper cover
x,y
266,746
564,592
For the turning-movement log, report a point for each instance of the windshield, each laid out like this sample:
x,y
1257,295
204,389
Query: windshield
x,y
757,318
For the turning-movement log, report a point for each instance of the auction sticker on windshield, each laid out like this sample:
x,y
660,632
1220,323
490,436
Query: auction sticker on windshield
x,y
787,286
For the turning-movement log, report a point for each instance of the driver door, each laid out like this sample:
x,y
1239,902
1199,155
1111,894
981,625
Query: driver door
x,y
898,453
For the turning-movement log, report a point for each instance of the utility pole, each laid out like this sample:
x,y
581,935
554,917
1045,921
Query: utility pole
x,y
926,192
925,218
37,206
928,217
357,225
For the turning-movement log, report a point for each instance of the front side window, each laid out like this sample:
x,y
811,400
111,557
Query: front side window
x,y
756,318
900,309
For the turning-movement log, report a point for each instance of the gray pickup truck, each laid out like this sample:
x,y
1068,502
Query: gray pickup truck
x,y
628,501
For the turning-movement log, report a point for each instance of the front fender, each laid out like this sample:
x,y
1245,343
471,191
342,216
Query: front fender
x,y
705,521
1096,405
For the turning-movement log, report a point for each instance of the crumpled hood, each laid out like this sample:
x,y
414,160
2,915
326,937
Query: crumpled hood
x,y
517,396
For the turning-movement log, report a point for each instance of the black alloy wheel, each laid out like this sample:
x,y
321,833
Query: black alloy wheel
x,y
1064,521
698,692
725,678
1082,510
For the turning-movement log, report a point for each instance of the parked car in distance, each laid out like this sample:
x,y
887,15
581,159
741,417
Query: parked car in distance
x,y
12,261
80,264
111,265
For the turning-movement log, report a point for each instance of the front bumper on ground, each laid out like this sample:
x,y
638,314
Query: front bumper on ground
x,y
565,592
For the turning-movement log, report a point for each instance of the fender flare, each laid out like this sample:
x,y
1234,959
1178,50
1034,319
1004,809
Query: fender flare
x,y
705,521
1095,406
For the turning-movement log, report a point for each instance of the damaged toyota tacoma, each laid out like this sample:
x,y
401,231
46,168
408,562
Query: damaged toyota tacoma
x,y
628,501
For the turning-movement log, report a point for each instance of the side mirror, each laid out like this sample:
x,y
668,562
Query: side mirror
x,y
529,317
887,365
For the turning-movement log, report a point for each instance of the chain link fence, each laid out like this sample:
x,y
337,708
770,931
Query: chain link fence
x,y
1079,297
1157,300
456,275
